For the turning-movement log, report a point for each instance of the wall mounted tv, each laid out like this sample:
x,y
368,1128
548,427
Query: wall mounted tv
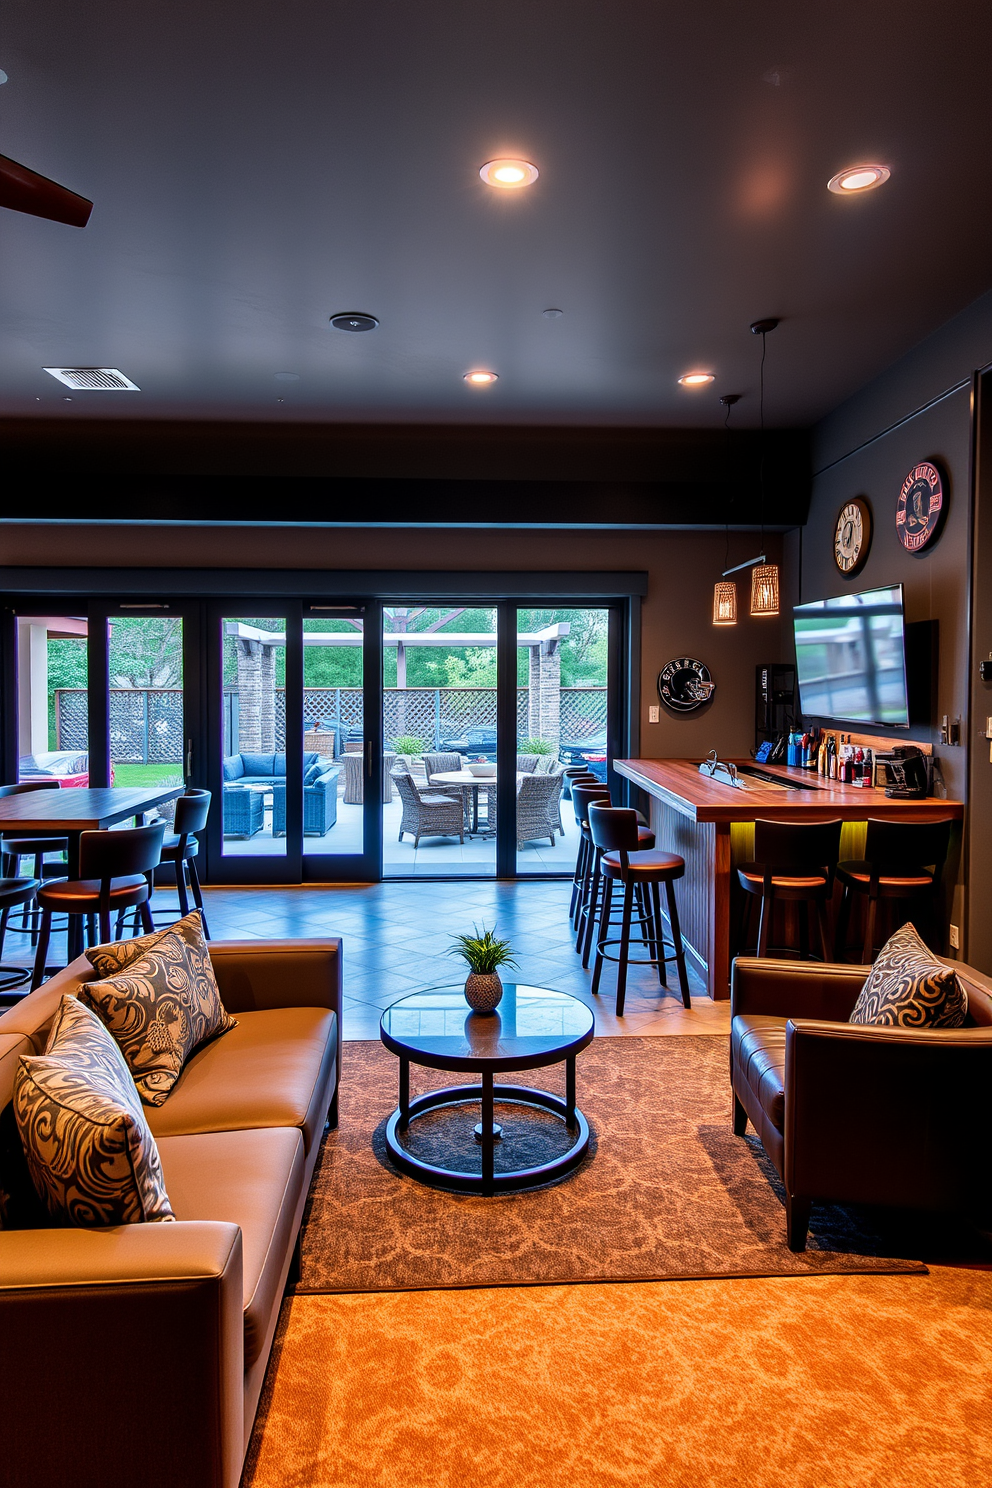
x,y
851,658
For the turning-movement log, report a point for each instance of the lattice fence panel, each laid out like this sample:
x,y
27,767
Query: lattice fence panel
x,y
583,712
165,727
72,729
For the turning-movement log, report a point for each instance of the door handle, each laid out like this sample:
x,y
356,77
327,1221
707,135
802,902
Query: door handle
x,y
189,759
368,759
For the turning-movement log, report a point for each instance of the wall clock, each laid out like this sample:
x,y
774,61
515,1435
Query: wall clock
x,y
852,536
685,684
920,507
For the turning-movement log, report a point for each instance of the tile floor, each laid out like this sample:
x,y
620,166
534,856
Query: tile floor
x,y
396,937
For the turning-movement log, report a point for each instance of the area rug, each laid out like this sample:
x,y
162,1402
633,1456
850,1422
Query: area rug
x,y
828,1382
666,1191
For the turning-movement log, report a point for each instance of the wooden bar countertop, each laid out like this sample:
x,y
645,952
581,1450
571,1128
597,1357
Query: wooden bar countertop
x,y
678,783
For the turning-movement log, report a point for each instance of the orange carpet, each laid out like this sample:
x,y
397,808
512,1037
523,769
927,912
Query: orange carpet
x,y
827,1382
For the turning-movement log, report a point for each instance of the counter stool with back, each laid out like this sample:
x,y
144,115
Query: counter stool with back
x,y
794,862
902,861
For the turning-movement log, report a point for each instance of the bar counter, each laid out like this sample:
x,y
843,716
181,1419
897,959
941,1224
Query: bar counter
x,y
710,825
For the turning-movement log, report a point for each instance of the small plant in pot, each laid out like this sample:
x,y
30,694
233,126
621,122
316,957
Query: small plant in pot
x,y
485,954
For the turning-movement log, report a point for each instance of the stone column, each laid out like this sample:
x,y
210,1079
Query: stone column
x,y
267,699
544,692
249,655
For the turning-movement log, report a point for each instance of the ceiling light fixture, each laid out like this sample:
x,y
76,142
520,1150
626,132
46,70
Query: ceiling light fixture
x,y
696,379
479,378
725,594
509,175
354,320
764,578
858,178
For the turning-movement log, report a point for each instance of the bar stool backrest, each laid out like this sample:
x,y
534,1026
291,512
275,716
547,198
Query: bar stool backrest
x,y
792,846
107,855
614,829
898,849
192,811
582,798
28,785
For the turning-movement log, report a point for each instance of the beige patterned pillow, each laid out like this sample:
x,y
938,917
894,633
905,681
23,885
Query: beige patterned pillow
x,y
89,1151
160,1002
909,988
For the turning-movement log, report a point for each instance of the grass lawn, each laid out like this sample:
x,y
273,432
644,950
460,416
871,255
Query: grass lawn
x,y
132,775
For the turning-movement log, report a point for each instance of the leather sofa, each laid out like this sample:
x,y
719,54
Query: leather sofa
x,y
850,1113
136,1354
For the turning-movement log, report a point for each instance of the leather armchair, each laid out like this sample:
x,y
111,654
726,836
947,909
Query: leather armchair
x,y
856,1114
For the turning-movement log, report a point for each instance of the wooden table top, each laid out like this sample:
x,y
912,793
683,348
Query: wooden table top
x,y
82,809
678,783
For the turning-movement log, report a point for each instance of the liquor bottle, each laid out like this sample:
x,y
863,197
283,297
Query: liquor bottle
x,y
832,758
869,768
859,766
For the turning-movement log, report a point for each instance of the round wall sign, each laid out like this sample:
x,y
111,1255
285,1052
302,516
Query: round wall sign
x,y
685,684
920,507
852,536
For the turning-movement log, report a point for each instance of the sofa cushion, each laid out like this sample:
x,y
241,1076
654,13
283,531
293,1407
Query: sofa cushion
x,y
88,1148
259,765
276,1068
758,1052
254,1179
313,773
909,988
234,767
158,996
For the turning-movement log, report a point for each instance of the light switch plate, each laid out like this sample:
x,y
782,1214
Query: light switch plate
x,y
654,714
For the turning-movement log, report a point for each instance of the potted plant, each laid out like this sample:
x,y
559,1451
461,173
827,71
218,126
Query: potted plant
x,y
535,746
485,954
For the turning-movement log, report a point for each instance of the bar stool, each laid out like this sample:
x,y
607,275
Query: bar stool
x,y
587,778
15,893
587,859
180,848
17,845
615,831
794,862
114,868
903,860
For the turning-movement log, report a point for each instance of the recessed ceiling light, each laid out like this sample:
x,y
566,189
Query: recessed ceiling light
x,y
509,175
552,314
696,379
479,378
286,376
354,320
858,178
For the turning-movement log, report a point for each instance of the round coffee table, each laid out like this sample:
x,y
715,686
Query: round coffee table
x,y
532,1027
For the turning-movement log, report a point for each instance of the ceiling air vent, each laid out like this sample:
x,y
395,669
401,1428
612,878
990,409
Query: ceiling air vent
x,y
94,379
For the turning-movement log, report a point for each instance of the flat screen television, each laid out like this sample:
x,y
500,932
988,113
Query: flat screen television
x,y
851,658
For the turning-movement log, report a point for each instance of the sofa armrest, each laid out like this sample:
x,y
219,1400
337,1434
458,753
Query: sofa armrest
x,y
887,1115
102,1326
794,989
255,974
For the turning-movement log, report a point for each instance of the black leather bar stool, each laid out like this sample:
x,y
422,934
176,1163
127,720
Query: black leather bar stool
x,y
615,831
587,860
15,893
17,845
902,861
180,848
586,778
794,862
114,871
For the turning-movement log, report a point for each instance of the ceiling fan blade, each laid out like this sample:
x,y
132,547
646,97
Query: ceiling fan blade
x,y
23,190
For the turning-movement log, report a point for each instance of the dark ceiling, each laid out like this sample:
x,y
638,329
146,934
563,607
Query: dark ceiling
x,y
258,167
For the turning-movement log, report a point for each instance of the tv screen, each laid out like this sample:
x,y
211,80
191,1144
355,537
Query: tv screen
x,y
851,658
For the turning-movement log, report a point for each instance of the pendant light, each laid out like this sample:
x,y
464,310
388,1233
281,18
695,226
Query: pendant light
x,y
765,577
724,592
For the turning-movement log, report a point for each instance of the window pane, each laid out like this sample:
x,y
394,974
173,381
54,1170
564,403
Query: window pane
x,y
254,737
52,713
147,732
333,736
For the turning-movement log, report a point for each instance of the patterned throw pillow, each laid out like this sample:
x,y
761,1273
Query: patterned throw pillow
x,y
159,999
909,988
89,1151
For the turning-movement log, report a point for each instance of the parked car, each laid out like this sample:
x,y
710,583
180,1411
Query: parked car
x,y
70,767
590,751
477,743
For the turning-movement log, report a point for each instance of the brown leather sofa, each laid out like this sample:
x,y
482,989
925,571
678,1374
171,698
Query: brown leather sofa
x,y
137,1354
856,1114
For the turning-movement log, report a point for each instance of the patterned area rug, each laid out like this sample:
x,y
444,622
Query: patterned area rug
x,y
666,1191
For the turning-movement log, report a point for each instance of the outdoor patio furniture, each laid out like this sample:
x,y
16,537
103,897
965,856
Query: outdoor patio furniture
x,y
244,811
528,762
537,808
439,763
324,741
259,769
354,777
427,813
320,804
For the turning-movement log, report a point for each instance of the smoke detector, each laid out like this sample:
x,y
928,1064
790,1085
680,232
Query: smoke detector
x,y
93,379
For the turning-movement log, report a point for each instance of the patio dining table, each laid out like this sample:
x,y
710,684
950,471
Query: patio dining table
x,y
467,781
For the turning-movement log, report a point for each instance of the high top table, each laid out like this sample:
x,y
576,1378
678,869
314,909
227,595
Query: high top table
x,y
695,816
69,813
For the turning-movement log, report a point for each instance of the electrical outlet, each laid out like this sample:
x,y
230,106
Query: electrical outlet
x,y
654,714
954,936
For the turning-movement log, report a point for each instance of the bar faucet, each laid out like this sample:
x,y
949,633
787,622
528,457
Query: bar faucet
x,y
721,770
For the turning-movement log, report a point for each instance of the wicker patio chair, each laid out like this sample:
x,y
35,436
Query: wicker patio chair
x,y
528,762
537,807
437,764
427,813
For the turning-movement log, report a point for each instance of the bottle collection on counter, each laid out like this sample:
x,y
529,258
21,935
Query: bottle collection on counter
x,y
832,756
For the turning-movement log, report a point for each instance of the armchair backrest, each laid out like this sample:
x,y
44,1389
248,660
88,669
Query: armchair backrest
x,y
441,763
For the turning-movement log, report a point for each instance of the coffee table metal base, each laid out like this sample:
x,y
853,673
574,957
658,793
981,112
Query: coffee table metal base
x,y
488,1181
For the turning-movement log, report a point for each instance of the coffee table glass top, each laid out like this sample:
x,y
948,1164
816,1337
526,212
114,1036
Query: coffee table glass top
x,y
529,1022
